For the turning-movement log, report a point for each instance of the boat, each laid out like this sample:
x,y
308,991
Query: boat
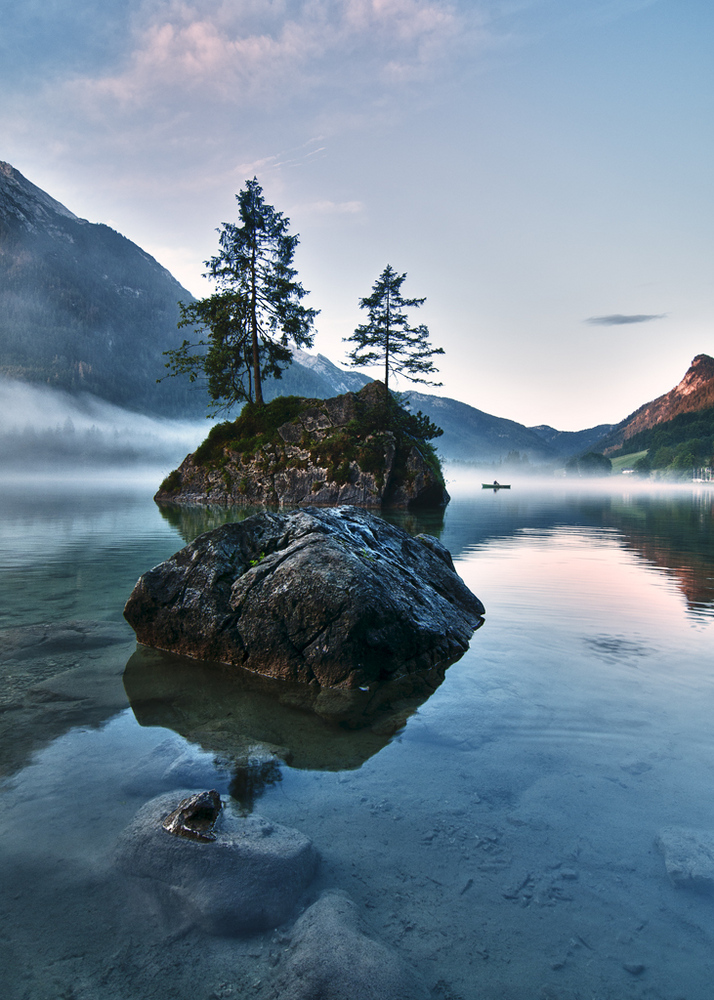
x,y
495,486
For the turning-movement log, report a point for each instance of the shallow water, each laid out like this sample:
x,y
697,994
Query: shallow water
x,y
502,840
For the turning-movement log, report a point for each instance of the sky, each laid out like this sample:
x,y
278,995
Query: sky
x,y
540,169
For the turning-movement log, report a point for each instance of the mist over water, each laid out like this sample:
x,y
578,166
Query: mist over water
x,y
42,428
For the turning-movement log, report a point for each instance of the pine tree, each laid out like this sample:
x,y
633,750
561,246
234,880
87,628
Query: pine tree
x,y
256,312
387,338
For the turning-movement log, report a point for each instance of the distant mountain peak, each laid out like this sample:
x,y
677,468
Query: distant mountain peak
x,y
25,202
695,392
701,371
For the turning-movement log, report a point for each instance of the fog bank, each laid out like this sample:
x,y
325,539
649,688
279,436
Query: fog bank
x,y
44,429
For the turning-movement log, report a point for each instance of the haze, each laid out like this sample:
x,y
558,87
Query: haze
x,y
541,169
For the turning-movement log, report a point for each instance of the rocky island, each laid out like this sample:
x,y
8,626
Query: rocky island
x,y
360,448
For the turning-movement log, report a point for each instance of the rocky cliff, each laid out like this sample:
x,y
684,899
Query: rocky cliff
x,y
297,451
694,393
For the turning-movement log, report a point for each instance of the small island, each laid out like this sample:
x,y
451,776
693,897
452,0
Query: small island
x,y
362,449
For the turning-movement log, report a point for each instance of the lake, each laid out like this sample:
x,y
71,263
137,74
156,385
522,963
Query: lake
x,y
501,836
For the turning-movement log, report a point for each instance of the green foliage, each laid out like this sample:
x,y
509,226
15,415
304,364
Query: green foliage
x,y
684,428
257,311
172,482
387,337
255,427
363,440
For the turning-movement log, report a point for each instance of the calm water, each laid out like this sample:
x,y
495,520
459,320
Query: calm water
x,y
502,840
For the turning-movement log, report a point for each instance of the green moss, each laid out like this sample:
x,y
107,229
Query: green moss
x,y
255,427
378,423
172,483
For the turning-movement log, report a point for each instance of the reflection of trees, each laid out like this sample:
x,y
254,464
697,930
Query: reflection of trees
x,y
676,535
192,521
672,531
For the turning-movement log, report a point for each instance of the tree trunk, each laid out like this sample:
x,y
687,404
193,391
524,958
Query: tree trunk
x,y
254,337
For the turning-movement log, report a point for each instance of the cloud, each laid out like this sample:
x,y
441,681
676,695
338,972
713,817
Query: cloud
x,y
617,319
261,55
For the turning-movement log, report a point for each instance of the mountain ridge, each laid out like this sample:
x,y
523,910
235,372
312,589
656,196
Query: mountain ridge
x,y
694,393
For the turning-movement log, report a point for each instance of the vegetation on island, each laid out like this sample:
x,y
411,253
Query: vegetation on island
x,y
245,330
253,438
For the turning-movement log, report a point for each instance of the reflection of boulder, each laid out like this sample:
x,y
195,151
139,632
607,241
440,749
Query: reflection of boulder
x,y
247,879
336,599
251,722
333,957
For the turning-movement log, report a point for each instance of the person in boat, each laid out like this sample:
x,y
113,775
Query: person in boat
x,y
496,482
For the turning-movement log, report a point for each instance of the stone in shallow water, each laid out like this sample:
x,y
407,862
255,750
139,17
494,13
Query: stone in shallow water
x,y
334,957
195,817
338,599
688,857
248,879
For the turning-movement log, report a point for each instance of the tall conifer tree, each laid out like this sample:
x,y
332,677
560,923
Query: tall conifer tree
x,y
387,338
255,313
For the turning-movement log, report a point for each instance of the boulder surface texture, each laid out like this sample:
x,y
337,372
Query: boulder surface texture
x,y
333,957
335,598
247,879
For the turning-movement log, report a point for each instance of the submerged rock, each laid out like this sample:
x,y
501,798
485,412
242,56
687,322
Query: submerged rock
x,y
247,879
688,857
337,599
333,957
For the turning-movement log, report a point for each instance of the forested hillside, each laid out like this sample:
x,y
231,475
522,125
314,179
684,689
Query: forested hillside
x,y
83,308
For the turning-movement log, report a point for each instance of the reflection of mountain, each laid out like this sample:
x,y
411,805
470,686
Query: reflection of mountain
x,y
242,717
674,533
677,538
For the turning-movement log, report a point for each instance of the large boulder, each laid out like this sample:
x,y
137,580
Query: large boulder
x,y
334,956
337,599
245,876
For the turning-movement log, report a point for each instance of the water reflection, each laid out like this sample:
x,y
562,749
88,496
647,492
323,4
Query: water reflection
x,y
249,722
192,520
672,531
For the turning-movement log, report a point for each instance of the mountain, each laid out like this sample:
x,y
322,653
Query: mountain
x,y
470,435
567,443
314,376
81,307
693,395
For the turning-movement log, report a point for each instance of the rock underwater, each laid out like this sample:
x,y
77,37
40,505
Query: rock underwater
x,y
337,599
246,877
